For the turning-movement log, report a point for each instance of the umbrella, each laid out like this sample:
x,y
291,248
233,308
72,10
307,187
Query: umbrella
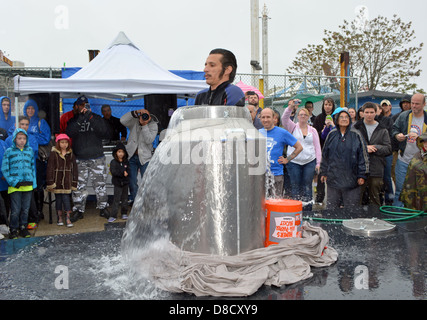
x,y
245,88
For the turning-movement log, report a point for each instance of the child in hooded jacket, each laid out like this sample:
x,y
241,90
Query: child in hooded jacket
x,y
119,168
62,176
19,170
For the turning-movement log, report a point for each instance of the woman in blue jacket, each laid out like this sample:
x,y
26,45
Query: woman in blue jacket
x,y
6,119
38,127
345,163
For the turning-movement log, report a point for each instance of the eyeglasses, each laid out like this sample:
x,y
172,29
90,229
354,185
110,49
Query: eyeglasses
x,y
302,115
344,118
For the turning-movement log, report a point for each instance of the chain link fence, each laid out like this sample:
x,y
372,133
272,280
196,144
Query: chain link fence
x,y
279,89
7,83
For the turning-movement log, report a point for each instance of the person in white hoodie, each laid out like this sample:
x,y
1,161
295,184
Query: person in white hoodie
x,y
143,131
302,168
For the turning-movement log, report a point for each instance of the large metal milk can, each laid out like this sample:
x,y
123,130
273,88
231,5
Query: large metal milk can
x,y
216,195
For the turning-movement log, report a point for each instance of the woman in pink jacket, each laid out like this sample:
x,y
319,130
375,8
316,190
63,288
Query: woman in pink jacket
x,y
303,167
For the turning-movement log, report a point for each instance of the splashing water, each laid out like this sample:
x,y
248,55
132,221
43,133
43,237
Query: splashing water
x,y
203,191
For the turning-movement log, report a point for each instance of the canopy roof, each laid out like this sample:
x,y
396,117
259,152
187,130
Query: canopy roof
x,y
121,72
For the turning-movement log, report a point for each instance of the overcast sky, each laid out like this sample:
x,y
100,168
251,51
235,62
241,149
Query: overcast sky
x,y
178,34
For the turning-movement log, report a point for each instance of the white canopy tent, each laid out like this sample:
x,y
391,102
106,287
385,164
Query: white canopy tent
x,y
120,72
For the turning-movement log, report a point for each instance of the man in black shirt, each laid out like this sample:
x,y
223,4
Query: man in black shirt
x,y
118,131
87,130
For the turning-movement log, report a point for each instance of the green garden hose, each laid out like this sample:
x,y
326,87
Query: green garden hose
x,y
389,210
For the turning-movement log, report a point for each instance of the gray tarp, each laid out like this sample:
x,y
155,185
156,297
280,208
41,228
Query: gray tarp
x,y
241,275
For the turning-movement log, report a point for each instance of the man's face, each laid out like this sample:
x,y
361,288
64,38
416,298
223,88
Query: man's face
x,y
253,100
417,104
106,112
80,107
386,108
406,106
213,71
5,106
267,119
368,114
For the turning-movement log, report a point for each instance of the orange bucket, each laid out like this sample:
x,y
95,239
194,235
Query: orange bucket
x,y
284,220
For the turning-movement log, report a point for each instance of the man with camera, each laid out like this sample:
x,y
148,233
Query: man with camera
x,y
143,132
87,129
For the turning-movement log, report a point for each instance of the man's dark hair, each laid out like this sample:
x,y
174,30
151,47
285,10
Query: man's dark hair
x,y
370,105
252,93
228,59
105,106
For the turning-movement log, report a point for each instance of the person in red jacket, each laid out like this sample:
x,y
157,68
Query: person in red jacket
x,y
63,121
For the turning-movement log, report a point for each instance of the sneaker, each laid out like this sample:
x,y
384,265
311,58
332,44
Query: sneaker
x,y
24,233
13,234
76,216
31,226
70,225
124,216
111,219
60,223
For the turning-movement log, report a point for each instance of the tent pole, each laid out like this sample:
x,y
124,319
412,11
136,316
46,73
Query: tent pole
x,y
16,110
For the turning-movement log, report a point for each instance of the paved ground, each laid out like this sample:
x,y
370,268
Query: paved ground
x,y
91,222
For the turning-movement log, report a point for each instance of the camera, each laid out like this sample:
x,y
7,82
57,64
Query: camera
x,y
145,116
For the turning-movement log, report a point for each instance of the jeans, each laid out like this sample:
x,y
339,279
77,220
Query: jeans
x,y
20,205
400,172
134,166
302,180
63,202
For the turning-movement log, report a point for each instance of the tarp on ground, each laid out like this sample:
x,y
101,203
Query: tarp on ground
x,y
120,72
241,275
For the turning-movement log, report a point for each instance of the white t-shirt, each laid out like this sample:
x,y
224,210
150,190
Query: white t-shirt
x,y
411,144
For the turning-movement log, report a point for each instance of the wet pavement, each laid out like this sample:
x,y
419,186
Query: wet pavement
x,y
89,266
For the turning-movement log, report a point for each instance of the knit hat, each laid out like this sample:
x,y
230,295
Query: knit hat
x,y
62,136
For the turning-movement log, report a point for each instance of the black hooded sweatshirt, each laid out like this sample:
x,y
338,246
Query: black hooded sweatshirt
x,y
118,168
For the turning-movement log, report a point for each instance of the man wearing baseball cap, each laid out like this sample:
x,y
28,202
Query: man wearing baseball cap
x,y
386,108
86,129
